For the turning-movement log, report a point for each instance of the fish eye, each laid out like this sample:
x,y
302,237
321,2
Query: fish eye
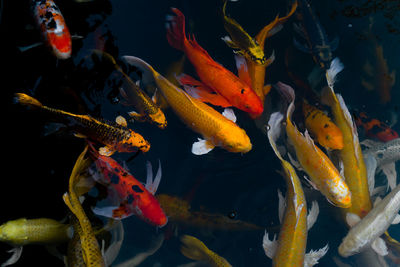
x,y
232,215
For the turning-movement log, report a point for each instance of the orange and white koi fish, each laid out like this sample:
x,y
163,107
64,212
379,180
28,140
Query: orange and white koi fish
x,y
289,249
53,27
216,129
322,128
115,137
218,85
355,171
324,175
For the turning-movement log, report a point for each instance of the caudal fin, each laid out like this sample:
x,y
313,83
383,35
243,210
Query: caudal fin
x,y
27,100
193,248
176,29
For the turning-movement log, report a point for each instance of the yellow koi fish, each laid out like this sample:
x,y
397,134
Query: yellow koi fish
x,y
194,249
216,129
90,247
324,175
21,232
289,249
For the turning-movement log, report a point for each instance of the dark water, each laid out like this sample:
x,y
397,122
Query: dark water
x,y
36,167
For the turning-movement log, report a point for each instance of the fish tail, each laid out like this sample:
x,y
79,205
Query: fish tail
x,y
176,29
288,93
148,73
194,249
27,100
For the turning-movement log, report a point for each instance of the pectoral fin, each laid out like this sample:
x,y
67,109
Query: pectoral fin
x,y
269,246
390,171
228,41
312,215
229,114
301,47
121,121
379,247
242,68
16,254
136,116
202,147
312,257
106,151
152,185
352,219
281,206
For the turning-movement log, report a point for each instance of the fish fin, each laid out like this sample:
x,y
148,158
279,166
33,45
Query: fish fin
x,y
396,219
266,89
194,249
379,247
301,47
16,254
274,131
79,135
334,44
121,121
117,237
106,151
114,212
123,94
152,185
202,147
369,143
315,77
281,205
390,171
228,41
25,48
312,215
370,164
229,114
312,257
367,85
379,190
176,29
313,185
135,116
331,73
294,162
242,68
270,60
269,246
352,219
376,202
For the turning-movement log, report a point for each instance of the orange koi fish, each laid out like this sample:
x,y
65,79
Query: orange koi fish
x,y
375,128
115,137
127,196
321,126
216,129
289,249
53,27
324,175
218,85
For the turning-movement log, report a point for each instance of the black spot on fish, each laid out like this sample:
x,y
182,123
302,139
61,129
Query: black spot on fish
x,y
116,170
242,91
326,125
380,155
313,116
130,199
137,189
124,174
375,129
114,179
51,24
48,15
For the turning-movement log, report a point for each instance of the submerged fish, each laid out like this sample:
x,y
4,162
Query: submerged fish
x,y
218,85
114,137
324,175
194,249
367,231
289,249
21,232
126,195
53,27
321,126
216,129
375,128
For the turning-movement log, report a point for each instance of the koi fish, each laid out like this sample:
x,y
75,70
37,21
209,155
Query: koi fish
x,y
321,126
367,231
353,163
289,249
317,40
253,73
127,196
115,137
21,232
216,129
194,249
241,41
179,211
324,175
218,85
53,27
90,247
145,108
375,128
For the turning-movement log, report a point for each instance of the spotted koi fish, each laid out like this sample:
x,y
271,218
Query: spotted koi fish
x,y
53,27
375,128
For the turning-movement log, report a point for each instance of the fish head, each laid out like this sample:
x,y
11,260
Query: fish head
x,y
234,140
159,119
249,101
348,247
324,56
148,209
134,142
332,138
256,54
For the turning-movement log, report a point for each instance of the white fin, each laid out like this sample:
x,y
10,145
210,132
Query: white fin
x,y
133,114
294,162
269,246
154,97
226,39
202,147
369,143
352,219
335,68
16,254
341,167
396,219
106,151
379,247
152,185
113,249
274,131
121,121
370,164
106,211
312,215
312,257
229,114
390,171
281,205
312,184
376,202
378,190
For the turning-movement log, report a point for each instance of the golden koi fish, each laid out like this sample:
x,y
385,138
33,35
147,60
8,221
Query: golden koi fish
x,y
324,175
216,129
194,249
289,249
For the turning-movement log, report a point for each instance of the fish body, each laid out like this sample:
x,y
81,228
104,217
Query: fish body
x,y
315,163
375,128
114,137
53,27
195,249
218,85
373,225
128,195
321,126
314,34
384,153
216,129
